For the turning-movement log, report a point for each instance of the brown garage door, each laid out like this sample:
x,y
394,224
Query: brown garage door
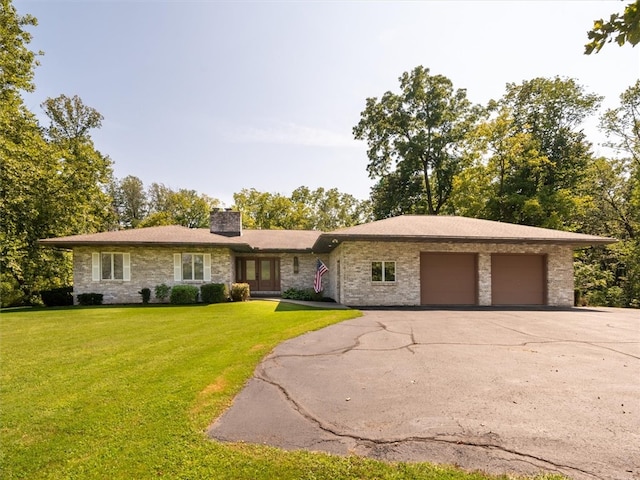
x,y
518,279
448,279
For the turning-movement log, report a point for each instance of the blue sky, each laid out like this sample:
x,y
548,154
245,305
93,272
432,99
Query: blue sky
x,y
218,96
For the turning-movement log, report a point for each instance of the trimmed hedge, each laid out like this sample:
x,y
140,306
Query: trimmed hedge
x,y
57,297
240,292
146,295
307,294
162,291
184,294
90,299
214,293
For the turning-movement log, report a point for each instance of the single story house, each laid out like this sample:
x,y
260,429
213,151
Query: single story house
x,y
407,260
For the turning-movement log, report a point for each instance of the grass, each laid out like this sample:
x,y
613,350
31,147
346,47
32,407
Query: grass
x,y
127,392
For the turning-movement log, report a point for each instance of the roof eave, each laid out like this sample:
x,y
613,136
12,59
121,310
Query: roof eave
x,y
327,241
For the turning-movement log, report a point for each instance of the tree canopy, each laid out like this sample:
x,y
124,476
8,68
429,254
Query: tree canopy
x,y
416,143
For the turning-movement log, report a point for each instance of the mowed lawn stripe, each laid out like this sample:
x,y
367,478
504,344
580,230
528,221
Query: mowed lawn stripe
x,y
127,392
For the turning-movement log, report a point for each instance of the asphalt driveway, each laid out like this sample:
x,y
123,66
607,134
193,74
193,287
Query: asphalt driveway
x,y
494,390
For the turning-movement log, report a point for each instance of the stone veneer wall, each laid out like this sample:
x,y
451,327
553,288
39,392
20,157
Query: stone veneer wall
x,y
150,266
353,285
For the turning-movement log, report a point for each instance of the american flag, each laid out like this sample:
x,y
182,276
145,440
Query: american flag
x,y
321,269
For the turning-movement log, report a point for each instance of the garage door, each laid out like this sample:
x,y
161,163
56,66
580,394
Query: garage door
x,y
518,279
448,279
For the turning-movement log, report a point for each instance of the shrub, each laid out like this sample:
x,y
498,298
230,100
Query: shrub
x,y
146,295
240,292
90,299
57,297
307,294
184,294
214,293
162,291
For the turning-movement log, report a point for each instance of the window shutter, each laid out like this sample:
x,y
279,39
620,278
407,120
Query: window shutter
x,y
126,267
177,267
207,267
95,267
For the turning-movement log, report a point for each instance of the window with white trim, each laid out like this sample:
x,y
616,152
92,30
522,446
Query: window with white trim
x,y
383,271
192,267
110,266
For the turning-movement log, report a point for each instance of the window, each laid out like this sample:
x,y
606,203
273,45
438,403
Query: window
x,y
296,265
192,267
110,266
383,271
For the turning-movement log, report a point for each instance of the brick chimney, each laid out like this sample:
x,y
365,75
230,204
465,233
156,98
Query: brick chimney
x,y
226,222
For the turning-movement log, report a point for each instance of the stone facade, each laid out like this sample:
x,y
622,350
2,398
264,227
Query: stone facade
x,y
352,284
150,266
348,280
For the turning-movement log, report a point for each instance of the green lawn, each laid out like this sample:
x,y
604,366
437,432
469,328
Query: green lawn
x,y
127,393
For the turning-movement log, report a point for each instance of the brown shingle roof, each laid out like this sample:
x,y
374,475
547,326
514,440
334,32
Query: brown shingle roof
x,y
402,228
281,240
453,229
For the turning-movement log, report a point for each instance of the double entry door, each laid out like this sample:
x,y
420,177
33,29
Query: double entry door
x,y
261,273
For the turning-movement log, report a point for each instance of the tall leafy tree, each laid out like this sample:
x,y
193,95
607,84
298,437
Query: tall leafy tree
x,y
130,201
50,179
416,143
305,209
537,151
614,189
183,207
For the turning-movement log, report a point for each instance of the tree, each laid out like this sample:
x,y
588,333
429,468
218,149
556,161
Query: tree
x,y
416,143
621,28
613,186
537,153
184,207
130,201
50,179
328,210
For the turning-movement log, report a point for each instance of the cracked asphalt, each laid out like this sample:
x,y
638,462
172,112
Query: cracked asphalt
x,y
519,392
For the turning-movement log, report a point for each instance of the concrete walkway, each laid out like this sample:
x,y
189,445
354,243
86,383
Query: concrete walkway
x,y
518,392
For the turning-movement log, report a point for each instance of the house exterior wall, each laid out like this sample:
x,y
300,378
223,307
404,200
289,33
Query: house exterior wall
x,y
150,266
353,284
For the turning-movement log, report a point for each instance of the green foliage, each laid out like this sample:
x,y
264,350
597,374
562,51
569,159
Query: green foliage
x,y
183,207
57,297
305,209
307,294
620,28
90,298
145,293
416,143
240,292
214,293
184,294
162,291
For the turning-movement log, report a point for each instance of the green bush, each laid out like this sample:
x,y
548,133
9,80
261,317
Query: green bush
x,y
240,292
90,299
162,291
57,297
146,295
184,294
214,293
307,294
